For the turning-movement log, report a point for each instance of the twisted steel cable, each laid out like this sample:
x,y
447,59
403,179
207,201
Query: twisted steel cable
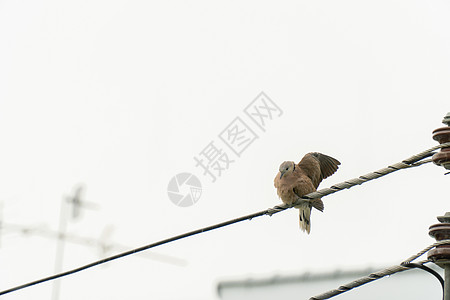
x,y
405,265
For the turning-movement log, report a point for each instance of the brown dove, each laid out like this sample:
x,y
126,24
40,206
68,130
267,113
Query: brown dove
x,y
294,181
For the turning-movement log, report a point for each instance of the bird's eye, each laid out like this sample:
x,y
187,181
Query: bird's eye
x,y
287,169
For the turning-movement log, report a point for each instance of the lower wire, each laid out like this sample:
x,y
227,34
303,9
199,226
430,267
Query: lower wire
x,y
429,270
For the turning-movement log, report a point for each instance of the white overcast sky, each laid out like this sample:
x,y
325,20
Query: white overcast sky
x,y
121,95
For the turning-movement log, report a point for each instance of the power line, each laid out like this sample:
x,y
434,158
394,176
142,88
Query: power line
x,y
133,251
415,256
429,270
406,265
412,161
363,280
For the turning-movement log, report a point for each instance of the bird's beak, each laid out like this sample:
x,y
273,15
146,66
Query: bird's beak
x,y
281,175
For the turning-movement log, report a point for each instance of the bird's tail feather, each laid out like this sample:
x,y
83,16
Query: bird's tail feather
x,y
305,213
305,216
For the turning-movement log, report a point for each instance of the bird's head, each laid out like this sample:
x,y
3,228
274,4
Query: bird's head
x,y
286,168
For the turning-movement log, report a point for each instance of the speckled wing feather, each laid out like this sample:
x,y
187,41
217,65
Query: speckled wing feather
x,y
318,166
328,165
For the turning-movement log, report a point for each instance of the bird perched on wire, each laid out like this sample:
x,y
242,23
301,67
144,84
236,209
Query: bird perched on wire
x,y
294,181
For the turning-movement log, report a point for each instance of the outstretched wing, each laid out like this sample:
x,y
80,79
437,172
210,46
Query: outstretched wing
x,y
318,166
328,165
